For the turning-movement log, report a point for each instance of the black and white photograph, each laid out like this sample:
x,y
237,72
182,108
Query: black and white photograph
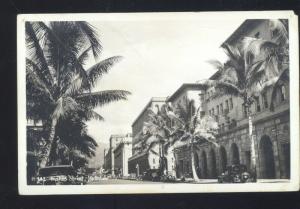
x,y
158,102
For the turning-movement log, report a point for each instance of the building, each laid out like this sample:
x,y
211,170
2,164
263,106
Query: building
x,y
189,96
34,143
271,129
109,160
122,153
142,160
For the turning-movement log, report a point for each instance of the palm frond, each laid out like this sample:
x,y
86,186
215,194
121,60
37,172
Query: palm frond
x,y
97,70
101,98
216,64
37,82
36,53
92,36
64,106
84,56
234,55
228,88
280,30
91,114
67,52
255,73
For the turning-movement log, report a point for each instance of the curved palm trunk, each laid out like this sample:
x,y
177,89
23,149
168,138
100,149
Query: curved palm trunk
x,y
195,176
49,145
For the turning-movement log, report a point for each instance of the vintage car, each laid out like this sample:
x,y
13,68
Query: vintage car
x,y
151,175
236,174
59,175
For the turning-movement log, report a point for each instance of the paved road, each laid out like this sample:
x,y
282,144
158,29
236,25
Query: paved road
x,y
203,181
122,181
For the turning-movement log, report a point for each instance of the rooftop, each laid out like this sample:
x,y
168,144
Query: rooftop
x,y
184,86
153,99
242,29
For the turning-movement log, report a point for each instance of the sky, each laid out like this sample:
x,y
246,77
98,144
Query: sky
x,y
158,57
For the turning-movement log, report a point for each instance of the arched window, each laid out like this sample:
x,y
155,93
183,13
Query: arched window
x,y
192,107
265,100
283,93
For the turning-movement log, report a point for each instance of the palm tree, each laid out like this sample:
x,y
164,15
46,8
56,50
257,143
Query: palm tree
x,y
57,81
276,57
71,135
238,79
195,128
158,131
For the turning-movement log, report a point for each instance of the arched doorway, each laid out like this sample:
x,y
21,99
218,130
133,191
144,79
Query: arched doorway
x,y
223,158
267,158
197,165
213,164
235,155
204,172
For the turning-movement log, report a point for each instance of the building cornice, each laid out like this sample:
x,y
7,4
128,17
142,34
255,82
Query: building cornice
x,y
195,86
153,99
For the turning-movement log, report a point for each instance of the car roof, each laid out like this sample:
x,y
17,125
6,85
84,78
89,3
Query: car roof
x,y
62,169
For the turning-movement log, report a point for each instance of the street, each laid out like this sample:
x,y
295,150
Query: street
x,y
203,181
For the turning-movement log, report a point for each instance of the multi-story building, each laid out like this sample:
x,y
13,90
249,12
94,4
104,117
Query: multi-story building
x,y
270,128
122,153
109,160
142,160
189,96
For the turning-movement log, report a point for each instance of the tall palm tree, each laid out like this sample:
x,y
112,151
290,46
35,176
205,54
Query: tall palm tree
x,y
238,78
195,128
57,81
159,132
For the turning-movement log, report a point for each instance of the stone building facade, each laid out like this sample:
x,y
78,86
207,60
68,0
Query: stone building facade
x,y
188,96
271,129
109,160
122,153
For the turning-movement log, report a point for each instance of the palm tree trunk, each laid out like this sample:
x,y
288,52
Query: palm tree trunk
x,y
253,151
48,146
195,176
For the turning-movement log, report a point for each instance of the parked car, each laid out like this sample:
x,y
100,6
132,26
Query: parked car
x,y
236,174
167,178
59,175
151,175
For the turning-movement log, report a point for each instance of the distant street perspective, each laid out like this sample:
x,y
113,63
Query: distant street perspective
x,y
224,121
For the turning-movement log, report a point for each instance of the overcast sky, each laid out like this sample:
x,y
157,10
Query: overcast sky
x,y
159,56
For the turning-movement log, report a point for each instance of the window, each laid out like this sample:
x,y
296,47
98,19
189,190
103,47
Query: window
x,y
274,33
231,103
213,111
257,35
244,110
209,112
283,93
153,160
201,97
226,105
257,104
221,108
265,100
218,110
